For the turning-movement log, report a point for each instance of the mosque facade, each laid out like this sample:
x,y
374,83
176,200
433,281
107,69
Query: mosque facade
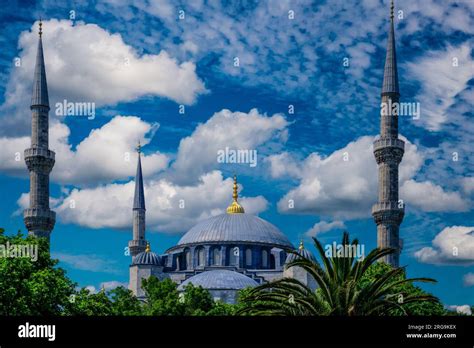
x,y
230,251
223,254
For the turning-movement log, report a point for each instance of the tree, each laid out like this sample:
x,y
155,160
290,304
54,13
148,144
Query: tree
x,y
32,286
124,302
403,290
83,302
342,290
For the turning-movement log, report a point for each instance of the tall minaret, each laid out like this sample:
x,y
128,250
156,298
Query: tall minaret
x,y
138,243
388,150
39,219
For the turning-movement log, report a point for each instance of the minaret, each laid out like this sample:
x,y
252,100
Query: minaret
x,y
39,219
388,150
138,243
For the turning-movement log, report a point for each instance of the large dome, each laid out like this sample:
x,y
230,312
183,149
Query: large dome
x,y
235,228
220,279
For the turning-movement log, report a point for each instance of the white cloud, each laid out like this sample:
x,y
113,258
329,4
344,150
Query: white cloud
x,y
85,63
463,309
468,279
346,189
441,82
111,205
284,165
324,226
197,153
453,245
432,198
11,156
87,262
106,154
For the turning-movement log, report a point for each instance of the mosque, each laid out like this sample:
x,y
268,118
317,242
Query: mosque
x,y
223,254
227,252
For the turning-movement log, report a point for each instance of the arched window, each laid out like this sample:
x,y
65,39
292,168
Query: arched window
x,y
248,257
264,259
187,258
234,253
216,256
201,257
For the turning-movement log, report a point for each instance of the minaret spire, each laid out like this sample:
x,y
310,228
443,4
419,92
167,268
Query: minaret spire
x,y
390,75
388,150
38,218
138,243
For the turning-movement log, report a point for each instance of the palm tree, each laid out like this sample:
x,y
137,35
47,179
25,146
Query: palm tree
x,y
341,291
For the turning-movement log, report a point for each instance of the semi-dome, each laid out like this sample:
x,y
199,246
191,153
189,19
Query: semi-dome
x,y
301,251
235,228
220,280
147,257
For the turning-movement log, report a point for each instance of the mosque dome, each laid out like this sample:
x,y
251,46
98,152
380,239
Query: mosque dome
x,y
219,280
147,257
301,251
235,226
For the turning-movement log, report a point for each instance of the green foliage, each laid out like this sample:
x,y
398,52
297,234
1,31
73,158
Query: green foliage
x,y
32,287
343,290
124,302
402,291
163,298
84,303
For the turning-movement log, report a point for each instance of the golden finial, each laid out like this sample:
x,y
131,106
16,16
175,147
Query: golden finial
x,y
392,6
235,193
301,247
147,249
139,147
40,28
235,207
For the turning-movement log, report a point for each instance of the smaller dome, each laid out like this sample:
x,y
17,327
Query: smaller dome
x,y
301,251
220,279
147,257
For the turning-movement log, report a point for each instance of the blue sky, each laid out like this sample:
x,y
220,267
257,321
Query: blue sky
x,y
140,63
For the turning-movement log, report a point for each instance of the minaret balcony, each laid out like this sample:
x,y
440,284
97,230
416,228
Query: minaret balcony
x,y
40,151
389,142
388,212
39,158
39,219
389,150
43,213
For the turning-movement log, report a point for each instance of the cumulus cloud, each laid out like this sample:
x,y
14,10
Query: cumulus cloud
x,y
463,309
86,63
343,185
106,154
324,226
197,154
170,208
430,197
453,245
